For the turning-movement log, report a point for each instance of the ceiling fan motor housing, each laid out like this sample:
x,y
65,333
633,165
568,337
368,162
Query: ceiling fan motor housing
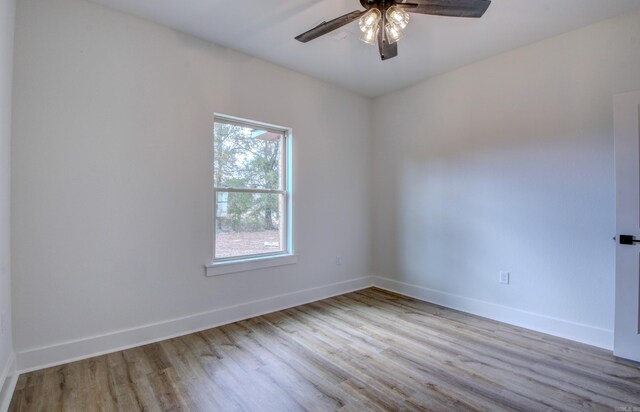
x,y
379,4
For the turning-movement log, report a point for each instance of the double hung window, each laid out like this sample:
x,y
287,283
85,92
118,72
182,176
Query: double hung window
x,y
251,184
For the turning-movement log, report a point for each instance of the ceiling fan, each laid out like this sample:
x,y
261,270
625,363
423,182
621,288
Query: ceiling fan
x,y
384,20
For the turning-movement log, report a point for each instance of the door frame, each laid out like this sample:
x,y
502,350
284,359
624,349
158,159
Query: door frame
x,y
627,269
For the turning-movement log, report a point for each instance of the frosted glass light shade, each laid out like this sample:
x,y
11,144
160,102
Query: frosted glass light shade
x,y
394,32
370,19
371,35
398,17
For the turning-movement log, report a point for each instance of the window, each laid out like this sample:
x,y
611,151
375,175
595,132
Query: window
x,y
251,184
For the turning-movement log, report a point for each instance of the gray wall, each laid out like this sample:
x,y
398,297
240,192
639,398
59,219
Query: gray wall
x,y
112,201
507,165
7,13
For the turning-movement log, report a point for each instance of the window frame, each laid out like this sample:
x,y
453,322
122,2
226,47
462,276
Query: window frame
x,y
269,259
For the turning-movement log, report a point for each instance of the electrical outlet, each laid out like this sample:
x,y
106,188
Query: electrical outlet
x,y
3,323
338,260
504,278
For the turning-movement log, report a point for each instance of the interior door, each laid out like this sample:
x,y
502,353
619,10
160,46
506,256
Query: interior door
x,y
627,158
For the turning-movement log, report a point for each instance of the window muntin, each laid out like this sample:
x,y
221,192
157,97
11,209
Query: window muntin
x,y
250,163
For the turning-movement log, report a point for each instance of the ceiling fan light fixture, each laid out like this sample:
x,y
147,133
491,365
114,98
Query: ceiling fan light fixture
x,y
370,20
398,17
394,32
370,36
384,21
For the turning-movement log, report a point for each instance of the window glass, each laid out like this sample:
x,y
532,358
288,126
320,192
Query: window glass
x,y
246,157
250,187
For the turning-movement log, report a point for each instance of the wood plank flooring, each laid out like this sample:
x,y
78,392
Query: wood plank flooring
x,y
368,350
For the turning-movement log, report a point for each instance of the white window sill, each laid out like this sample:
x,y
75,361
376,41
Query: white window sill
x,y
224,268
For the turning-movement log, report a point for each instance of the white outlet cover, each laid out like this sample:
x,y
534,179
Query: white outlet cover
x,y
504,278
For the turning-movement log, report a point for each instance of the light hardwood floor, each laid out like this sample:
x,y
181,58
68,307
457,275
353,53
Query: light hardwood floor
x,y
368,350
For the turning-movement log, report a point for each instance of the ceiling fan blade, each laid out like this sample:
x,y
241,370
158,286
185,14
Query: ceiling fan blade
x,y
451,8
387,51
329,26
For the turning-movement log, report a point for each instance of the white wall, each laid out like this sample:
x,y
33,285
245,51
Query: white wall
x,y
507,164
7,14
112,206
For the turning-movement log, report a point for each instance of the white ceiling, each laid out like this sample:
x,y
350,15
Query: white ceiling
x,y
432,45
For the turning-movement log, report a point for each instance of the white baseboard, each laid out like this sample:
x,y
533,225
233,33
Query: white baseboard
x,y
8,380
558,327
65,352
58,354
